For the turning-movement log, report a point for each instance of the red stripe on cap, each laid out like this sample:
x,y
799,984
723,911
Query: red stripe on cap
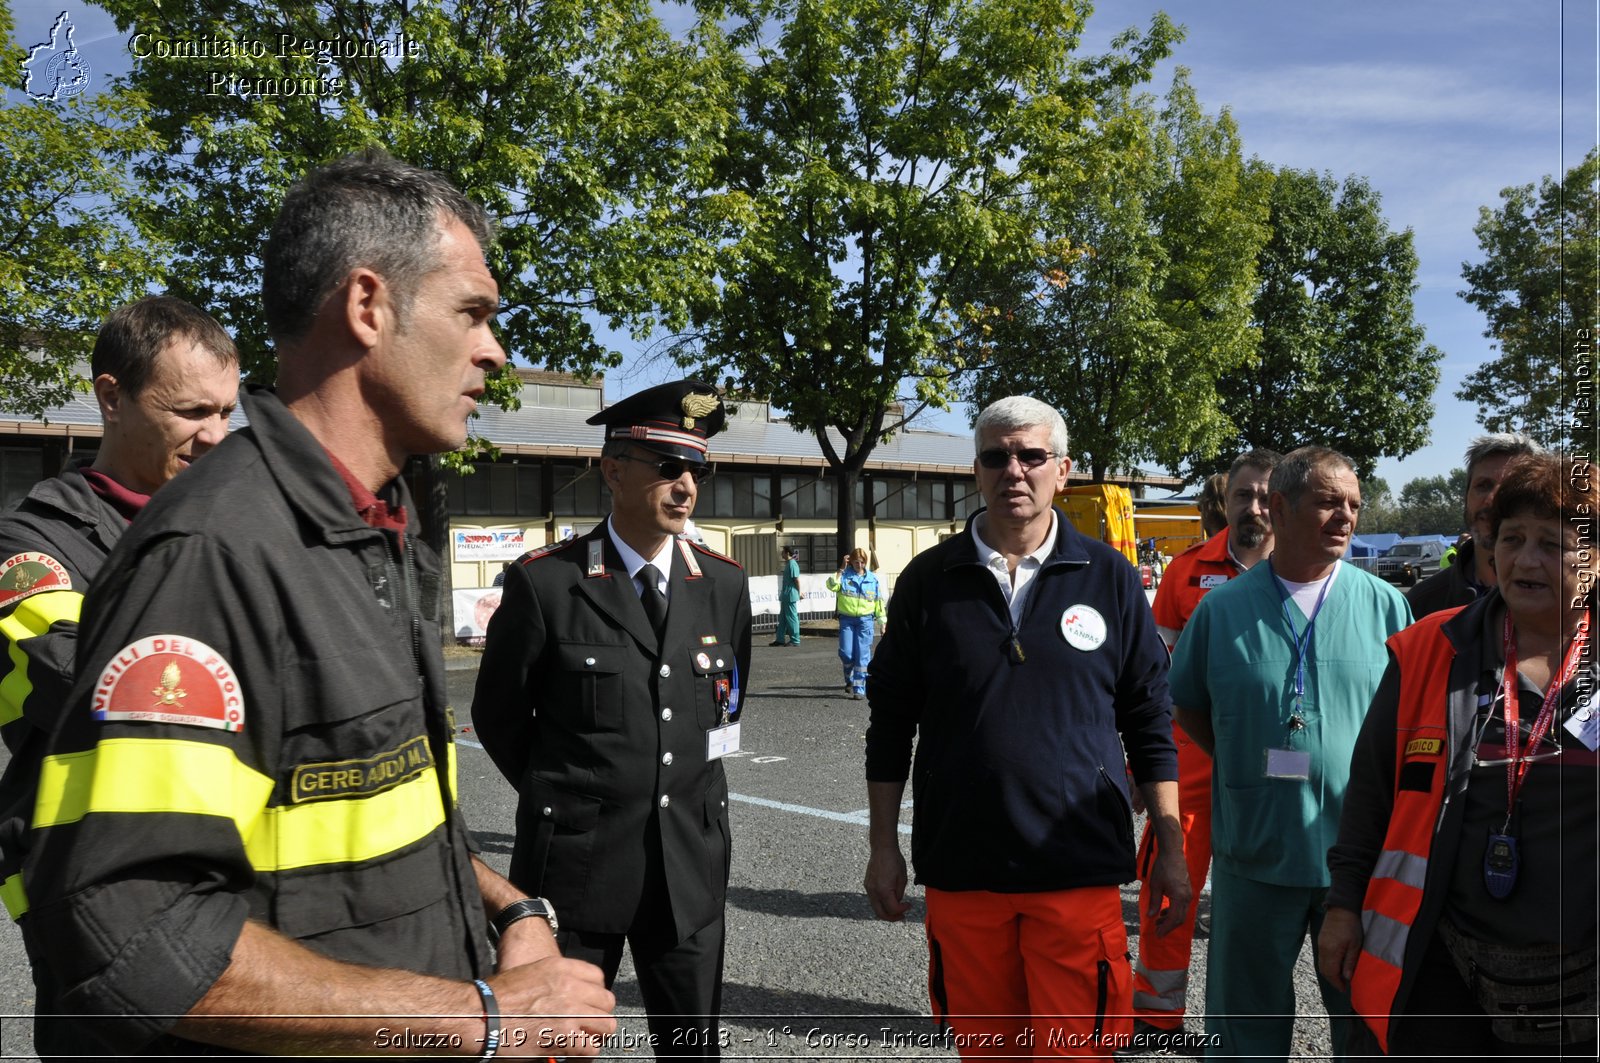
x,y
661,435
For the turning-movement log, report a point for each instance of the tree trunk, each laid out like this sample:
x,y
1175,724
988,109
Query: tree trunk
x,y
844,486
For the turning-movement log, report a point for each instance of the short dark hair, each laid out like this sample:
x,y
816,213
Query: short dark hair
x,y
1290,475
364,210
1262,459
133,336
787,551
1547,485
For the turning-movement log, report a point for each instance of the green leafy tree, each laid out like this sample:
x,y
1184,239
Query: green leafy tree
x,y
882,150
1343,361
574,123
1431,505
1140,295
1379,510
1537,287
74,238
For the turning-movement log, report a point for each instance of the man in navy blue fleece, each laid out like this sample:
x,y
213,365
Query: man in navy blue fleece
x,y
1023,657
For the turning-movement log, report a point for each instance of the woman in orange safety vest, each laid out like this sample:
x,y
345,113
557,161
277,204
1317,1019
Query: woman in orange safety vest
x,y
1462,910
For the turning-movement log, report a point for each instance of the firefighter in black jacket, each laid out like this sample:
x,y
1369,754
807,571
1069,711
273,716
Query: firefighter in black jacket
x,y
608,692
246,836
166,379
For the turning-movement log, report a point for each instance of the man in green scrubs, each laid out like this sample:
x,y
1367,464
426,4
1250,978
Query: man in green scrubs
x,y
1272,676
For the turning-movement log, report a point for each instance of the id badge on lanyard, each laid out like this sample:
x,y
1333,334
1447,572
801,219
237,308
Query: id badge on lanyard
x,y
1287,762
724,738
1502,858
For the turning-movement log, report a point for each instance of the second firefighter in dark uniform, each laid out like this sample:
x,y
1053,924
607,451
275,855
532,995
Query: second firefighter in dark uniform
x,y
608,692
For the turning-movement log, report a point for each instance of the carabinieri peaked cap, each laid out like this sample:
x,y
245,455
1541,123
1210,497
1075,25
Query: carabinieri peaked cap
x,y
672,419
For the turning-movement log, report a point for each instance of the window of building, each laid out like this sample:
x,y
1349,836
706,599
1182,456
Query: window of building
x,y
497,490
898,498
902,498
736,494
20,469
807,497
815,553
580,491
967,500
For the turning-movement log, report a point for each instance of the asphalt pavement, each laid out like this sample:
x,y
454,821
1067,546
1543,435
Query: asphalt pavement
x,y
810,973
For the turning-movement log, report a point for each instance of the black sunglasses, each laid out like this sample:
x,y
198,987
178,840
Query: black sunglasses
x,y
1028,458
672,468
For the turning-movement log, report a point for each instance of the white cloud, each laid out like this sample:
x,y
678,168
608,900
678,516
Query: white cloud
x,y
1379,95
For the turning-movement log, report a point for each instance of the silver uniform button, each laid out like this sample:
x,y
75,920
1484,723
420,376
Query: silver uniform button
x,y
719,662
666,758
666,670
665,801
666,714
588,662
549,811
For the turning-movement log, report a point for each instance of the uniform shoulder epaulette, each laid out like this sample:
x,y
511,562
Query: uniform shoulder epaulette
x,y
704,549
545,551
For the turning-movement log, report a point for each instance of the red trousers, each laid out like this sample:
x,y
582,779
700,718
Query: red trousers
x,y
1161,977
1030,974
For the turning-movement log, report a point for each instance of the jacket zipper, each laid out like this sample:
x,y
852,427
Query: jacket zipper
x,y
409,582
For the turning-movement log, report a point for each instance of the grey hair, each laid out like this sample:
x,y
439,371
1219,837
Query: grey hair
x,y
364,210
1022,411
1494,444
1289,476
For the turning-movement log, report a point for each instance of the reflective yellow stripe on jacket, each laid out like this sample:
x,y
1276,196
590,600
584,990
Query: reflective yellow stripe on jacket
x,y
30,618
12,895
160,775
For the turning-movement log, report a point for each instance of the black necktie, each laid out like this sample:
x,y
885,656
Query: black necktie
x,y
654,602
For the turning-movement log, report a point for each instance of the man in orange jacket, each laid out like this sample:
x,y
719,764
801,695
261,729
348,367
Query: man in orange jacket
x,y
1161,976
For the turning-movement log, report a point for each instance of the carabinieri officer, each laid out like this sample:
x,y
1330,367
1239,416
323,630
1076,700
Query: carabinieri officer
x,y
608,693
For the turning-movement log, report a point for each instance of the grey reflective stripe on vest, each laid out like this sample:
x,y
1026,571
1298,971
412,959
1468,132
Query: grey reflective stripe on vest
x,y
1169,989
1384,938
1408,869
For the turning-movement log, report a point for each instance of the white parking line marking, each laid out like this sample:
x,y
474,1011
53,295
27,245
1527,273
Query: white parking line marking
x,y
857,818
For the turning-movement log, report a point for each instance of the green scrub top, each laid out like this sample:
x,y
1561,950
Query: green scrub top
x,y
1235,662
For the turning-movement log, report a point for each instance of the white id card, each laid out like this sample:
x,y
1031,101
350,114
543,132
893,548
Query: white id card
x,y
1584,725
1288,764
720,741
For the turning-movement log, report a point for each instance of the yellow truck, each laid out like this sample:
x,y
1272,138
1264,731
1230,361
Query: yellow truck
x,y
1175,526
1104,512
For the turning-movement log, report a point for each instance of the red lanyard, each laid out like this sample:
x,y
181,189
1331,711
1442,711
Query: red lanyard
x,y
1516,767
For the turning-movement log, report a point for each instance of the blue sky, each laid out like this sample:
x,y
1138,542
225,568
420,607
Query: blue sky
x,y
1438,103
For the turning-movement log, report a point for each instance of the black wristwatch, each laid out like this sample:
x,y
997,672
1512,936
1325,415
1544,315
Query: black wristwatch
x,y
519,910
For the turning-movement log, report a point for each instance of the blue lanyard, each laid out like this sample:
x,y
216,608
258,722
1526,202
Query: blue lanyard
x,y
1302,644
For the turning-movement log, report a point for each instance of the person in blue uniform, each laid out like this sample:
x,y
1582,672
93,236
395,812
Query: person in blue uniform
x,y
861,609
608,693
